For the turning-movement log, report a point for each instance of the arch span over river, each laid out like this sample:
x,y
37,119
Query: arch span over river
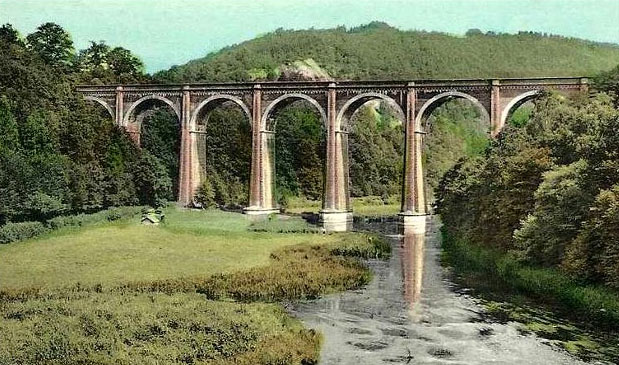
x,y
336,102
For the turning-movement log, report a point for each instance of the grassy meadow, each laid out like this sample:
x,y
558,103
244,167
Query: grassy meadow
x,y
362,206
203,287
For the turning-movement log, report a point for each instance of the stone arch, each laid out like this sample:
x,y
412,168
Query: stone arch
x,y
215,98
199,129
267,144
341,163
439,99
293,96
349,108
150,97
101,102
516,102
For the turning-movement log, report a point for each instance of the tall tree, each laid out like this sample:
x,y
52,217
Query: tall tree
x,y
53,44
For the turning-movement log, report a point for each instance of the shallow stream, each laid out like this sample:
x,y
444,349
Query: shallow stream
x,y
412,313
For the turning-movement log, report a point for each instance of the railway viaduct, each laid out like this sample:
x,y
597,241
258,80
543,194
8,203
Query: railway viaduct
x,y
336,102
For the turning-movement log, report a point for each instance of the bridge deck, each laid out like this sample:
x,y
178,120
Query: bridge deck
x,y
343,84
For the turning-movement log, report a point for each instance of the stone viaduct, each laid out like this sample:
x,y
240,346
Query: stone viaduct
x,y
336,103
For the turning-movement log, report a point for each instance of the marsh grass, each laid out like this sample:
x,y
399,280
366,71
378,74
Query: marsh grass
x,y
151,328
284,224
189,243
148,314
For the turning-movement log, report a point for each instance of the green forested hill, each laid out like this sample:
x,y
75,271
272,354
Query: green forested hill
x,y
378,51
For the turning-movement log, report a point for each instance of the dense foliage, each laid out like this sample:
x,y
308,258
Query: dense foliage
x,y
57,154
299,152
225,157
546,191
378,51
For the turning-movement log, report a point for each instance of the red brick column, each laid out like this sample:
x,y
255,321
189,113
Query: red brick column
x,y
120,106
185,183
408,190
329,200
495,109
255,182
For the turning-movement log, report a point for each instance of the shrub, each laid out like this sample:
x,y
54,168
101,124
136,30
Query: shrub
x,y
205,196
12,232
545,284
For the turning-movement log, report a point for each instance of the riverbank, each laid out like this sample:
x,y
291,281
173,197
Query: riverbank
x,y
203,286
580,318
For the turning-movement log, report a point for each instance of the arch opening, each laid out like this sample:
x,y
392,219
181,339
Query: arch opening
x,y
437,101
294,138
371,143
154,125
221,127
457,126
518,111
101,102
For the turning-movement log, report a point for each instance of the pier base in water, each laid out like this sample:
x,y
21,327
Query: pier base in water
x,y
414,223
336,221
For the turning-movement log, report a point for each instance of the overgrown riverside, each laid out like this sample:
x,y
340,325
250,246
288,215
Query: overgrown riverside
x,y
542,205
199,294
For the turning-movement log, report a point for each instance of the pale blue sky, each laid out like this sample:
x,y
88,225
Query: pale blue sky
x,y
168,32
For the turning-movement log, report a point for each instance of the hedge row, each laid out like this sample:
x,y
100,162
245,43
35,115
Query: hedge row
x,y
12,232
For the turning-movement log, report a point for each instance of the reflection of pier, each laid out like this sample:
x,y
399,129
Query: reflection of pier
x,y
412,257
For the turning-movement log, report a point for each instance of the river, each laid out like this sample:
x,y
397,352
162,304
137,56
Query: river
x,y
411,313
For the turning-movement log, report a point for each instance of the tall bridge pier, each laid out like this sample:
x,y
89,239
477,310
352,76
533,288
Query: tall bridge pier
x,y
336,102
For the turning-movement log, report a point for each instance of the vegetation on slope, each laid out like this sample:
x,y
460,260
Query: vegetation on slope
x,y
378,51
59,155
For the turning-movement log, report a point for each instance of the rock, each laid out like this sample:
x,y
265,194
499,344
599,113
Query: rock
x,y
306,70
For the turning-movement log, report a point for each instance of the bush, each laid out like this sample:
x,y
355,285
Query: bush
x,y
205,196
547,285
12,232
110,215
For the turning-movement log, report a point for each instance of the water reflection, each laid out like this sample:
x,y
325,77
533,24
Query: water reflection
x,y
412,255
392,320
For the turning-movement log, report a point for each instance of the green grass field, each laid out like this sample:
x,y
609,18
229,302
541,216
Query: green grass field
x,y
362,206
203,287
189,243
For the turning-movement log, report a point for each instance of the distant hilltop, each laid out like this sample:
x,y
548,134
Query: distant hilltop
x,y
379,51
